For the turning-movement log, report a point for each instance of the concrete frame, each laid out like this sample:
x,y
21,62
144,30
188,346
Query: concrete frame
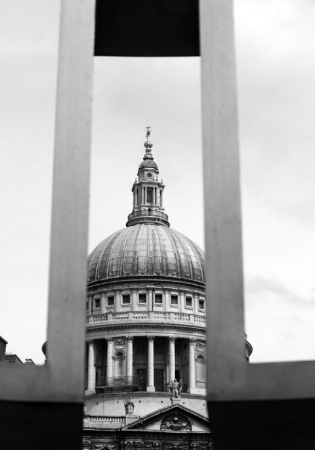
x,y
230,377
62,378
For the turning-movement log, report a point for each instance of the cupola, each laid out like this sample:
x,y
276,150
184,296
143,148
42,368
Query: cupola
x,y
148,191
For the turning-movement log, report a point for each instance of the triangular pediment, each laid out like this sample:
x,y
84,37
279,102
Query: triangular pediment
x,y
175,418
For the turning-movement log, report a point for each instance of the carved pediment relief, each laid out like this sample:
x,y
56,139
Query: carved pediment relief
x,y
200,346
176,422
119,342
105,446
175,446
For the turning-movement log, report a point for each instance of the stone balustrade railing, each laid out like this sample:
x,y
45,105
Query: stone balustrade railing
x,y
107,419
155,316
100,422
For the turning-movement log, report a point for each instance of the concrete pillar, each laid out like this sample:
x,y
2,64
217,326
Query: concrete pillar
x,y
129,358
150,387
109,372
172,358
91,368
192,366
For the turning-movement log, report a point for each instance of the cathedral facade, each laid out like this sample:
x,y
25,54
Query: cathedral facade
x,y
146,331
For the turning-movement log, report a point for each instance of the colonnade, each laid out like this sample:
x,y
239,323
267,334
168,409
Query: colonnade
x,y
150,366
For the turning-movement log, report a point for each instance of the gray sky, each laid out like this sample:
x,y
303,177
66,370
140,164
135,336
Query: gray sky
x,y
275,41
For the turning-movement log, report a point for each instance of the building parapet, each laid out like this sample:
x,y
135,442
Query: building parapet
x,y
104,422
152,316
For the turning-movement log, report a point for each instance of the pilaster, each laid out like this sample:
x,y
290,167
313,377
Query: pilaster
x,y
150,387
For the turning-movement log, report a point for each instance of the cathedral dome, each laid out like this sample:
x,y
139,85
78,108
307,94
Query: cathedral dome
x,y
147,250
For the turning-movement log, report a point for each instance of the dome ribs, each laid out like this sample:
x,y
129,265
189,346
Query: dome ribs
x,y
143,251
146,250
95,257
162,236
172,263
126,260
158,260
192,257
182,254
103,257
176,253
135,252
201,261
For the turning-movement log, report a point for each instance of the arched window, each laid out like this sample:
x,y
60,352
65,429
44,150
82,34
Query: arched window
x,y
201,371
119,364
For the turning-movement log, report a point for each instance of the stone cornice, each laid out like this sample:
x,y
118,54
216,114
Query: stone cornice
x,y
132,281
148,326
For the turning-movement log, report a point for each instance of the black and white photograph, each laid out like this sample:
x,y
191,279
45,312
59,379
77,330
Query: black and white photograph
x,y
157,196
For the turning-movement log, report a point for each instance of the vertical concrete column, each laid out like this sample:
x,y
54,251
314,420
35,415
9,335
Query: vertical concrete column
x,y
91,368
109,372
172,358
192,366
129,358
150,387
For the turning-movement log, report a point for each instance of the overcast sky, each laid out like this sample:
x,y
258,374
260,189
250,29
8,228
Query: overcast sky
x,y
276,79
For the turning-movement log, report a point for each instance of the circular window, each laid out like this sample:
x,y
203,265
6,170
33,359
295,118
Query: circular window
x,y
149,175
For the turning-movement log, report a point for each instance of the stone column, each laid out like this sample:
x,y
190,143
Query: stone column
x,y
103,305
117,296
196,304
150,302
192,366
129,358
134,299
90,305
91,368
109,372
150,386
172,358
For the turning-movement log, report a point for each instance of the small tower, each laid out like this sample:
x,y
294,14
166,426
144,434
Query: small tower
x,y
148,191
